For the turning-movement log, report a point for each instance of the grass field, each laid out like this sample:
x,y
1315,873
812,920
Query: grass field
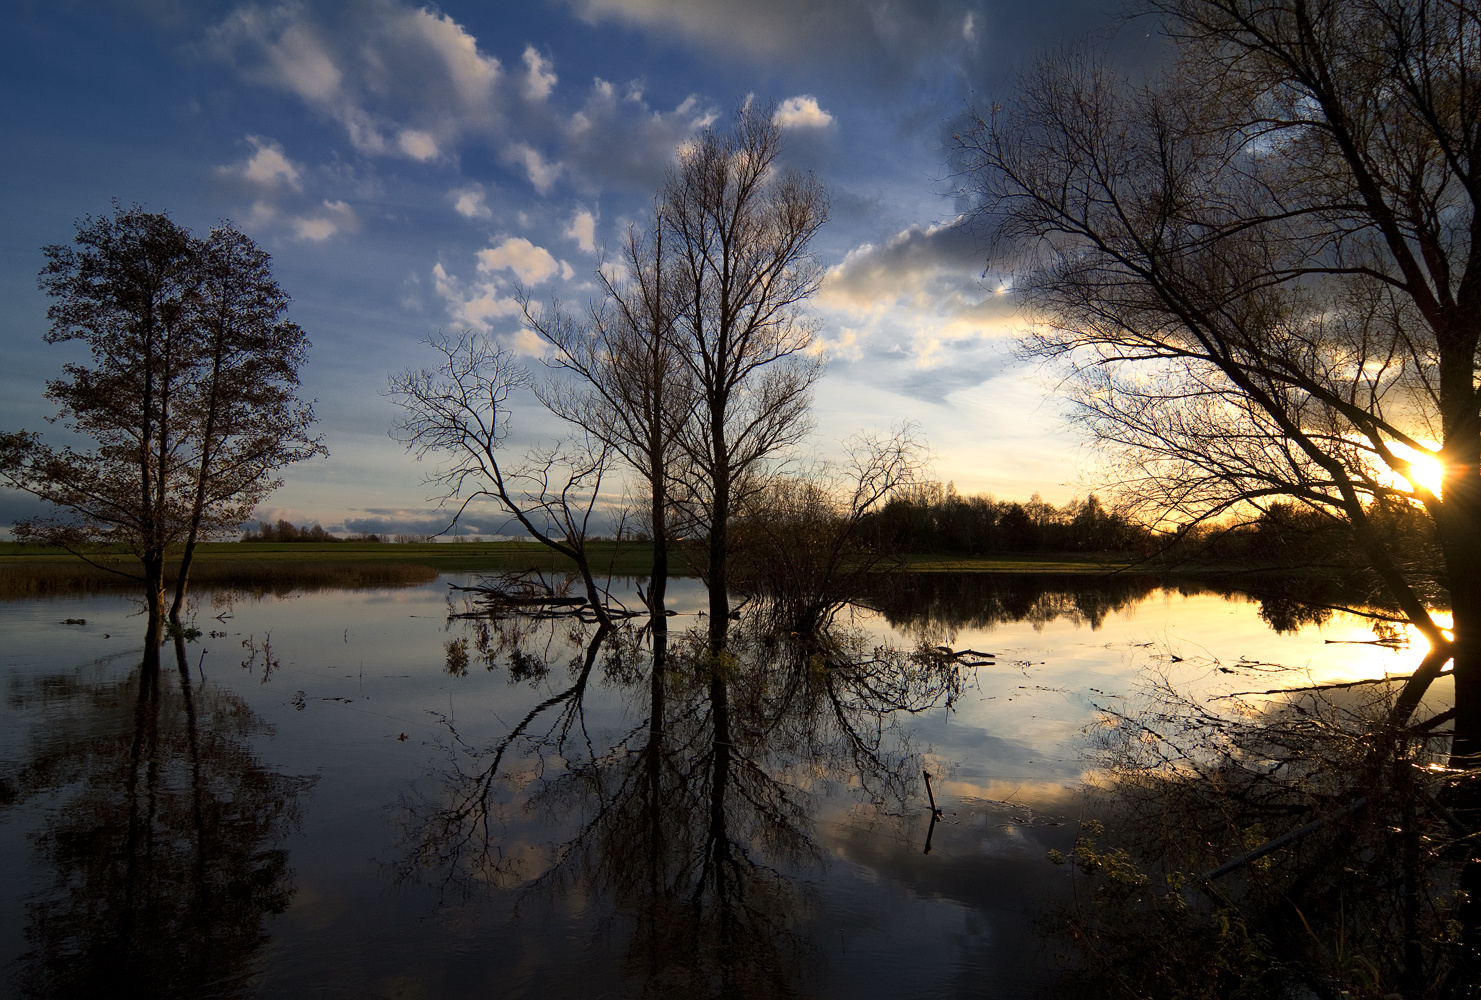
x,y
33,570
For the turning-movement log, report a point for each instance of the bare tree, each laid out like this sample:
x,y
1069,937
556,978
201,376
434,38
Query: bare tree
x,y
461,409
799,546
739,231
190,396
1261,271
628,387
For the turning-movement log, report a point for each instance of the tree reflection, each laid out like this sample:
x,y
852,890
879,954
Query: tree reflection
x,y
162,836
939,604
695,822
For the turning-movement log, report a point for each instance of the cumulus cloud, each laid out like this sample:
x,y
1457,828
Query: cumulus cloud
x,y
269,165
802,111
399,80
332,217
470,203
541,173
411,82
266,171
491,293
531,264
918,301
921,259
582,230
617,137
473,304
540,78
417,144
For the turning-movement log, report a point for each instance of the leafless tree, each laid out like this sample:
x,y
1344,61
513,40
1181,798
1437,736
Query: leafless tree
x,y
738,229
627,386
461,410
1260,270
799,549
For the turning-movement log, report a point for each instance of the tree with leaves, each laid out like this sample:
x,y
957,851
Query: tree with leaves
x,y
190,399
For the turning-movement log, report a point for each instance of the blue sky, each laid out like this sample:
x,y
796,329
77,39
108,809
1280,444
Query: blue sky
x,y
407,165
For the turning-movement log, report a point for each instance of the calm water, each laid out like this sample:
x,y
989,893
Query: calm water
x,y
346,794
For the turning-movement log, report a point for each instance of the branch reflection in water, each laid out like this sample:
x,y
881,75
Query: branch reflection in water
x,y
163,840
696,824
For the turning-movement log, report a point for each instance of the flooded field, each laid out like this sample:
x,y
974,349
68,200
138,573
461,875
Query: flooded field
x,y
346,793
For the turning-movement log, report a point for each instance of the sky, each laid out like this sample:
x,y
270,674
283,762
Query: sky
x,y
409,166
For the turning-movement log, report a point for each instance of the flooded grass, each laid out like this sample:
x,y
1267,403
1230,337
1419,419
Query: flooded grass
x,y
36,571
42,579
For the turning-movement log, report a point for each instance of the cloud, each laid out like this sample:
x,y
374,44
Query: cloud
x,y
399,80
846,345
394,521
542,174
473,304
905,266
618,138
269,166
917,303
412,83
417,144
469,202
802,111
582,230
332,217
531,264
866,39
540,79
267,170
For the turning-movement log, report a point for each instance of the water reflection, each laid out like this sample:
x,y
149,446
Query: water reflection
x,y
697,824
162,836
932,605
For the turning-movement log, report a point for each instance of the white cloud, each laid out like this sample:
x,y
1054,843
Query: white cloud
x,y
333,217
542,174
473,304
469,202
923,291
845,345
417,144
531,264
267,170
802,111
540,78
396,71
582,230
269,165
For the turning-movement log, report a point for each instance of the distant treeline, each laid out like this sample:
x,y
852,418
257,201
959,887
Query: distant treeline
x,y
936,518
285,531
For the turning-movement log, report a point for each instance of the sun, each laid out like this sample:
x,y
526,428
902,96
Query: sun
x,y
1425,470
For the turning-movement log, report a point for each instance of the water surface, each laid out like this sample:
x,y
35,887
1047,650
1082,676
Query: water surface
x,y
343,793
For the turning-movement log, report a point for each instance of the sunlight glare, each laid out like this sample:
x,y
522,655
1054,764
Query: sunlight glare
x,y
1425,469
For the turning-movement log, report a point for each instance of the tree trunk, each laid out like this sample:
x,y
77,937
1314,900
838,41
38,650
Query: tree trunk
x,y
183,578
658,582
1459,528
719,585
154,600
